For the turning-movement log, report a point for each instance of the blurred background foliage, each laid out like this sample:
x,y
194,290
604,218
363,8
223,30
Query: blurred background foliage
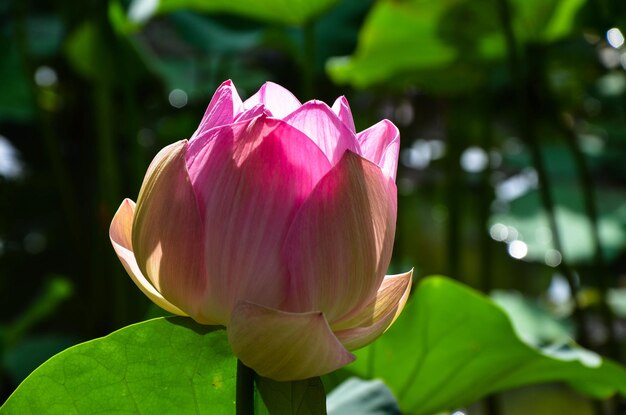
x,y
511,179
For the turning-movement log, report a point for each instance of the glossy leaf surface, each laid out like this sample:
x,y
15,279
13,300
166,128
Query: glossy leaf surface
x,y
165,365
453,346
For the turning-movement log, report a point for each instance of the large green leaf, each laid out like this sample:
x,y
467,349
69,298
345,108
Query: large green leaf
x,y
452,346
435,43
165,365
291,12
396,36
532,322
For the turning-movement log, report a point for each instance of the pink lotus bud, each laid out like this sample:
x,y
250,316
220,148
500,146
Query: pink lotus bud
x,y
276,219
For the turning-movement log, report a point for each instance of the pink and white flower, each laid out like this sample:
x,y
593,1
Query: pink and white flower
x,y
277,220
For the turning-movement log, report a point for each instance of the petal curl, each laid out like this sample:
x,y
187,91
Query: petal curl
x,y
339,245
381,144
251,179
321,124
255,111
342,109
120,234
285,346
223,108
278,100
364,326
168,236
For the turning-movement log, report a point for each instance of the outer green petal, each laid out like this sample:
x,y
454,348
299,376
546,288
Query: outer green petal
x,y
364,326
120,233
285,346
168,233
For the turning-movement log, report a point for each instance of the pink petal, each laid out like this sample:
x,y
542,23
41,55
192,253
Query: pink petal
x,y
255,111
278,100
120,233
251,178
285,346
339,245
319,122
223,108
342,109
364,326
380,144
168,234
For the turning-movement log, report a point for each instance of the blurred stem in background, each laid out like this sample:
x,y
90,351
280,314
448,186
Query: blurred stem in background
x,y
600,272
599,269
485,198
51,141
138,162
108,166
456,110
117,123
105,277
523,88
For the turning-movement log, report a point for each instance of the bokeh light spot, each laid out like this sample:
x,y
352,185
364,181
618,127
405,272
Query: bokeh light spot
x,y
474,159
518,249
45,76
553,257
178,98
615,37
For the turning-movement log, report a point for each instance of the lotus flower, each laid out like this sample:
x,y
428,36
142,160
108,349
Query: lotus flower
x,y
276,219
